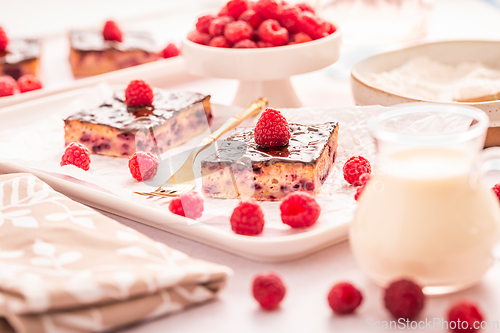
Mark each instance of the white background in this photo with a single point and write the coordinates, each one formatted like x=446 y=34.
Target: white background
x=308 y=280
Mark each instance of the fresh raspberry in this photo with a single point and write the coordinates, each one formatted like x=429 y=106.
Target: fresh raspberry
x=299 y=210
x=290 y=19
x=354 y=168
x=28 y=82
x=76 y=154
x=272 y=32
x=4 y=40
x=199 y=37
x=189 y=205
x=8 y=86
x=328 y=28
x=363 y=179
x=143 y=166
x=170 y=51
x=496 y=189
x=251 y=17
x=344 y=298
x=272 y=129
x=219 y=41
x=312 y=25
x=305 y=7
x=359 y=190
x=269 y=9
x=219 y=24
x=223 y=12
x=112 y=32
x=404 y=299
x=238 y=30
x=247 y=218
x=301 y=37
x=236 y=7
x=245 y=44
x=138 y=93
x=463 y=315
x=204 y=22
x=268 y=289
x=261 y=44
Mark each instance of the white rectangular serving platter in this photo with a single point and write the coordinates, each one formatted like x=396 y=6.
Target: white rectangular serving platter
x=273 y=246
x=174 y=68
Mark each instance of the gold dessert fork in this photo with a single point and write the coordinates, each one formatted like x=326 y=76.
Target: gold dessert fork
x=183 y=180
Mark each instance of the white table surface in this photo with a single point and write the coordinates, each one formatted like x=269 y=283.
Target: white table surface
x=308 y=280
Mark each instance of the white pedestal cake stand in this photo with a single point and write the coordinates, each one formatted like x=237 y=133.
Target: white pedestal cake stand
x=265 y=71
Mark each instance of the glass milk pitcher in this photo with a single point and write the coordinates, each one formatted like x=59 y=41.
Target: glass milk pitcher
x=426 y=214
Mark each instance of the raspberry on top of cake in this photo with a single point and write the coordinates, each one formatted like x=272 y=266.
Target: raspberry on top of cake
x=121 y=126
x=242 y=166
x=95 y=52
x=18 y=56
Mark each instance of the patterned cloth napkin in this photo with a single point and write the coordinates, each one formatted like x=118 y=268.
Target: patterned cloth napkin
x=66 y=268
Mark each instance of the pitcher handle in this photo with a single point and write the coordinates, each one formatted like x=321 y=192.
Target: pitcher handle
x=489 y=160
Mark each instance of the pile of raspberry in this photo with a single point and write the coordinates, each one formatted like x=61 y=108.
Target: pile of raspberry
x=258 y=24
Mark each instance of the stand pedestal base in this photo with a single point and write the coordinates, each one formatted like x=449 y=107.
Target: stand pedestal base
x=280 y=93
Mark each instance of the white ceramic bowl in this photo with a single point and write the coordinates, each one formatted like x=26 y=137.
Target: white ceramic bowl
x=265 y=71
x=449 y=52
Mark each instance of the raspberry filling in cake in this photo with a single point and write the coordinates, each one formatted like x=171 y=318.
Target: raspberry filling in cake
x=241 y=168
x=21 y=57
x=91 y=54
x=114 y=129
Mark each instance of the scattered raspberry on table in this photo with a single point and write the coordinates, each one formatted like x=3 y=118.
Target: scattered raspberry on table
x=76 y=154
x=189 y=205
x=354 y=168
x=272 y=129
x=138 y=93
x=299 y=210
x=4 y=40
x=8 y=86
x=344 y=298
x=112 y=32
x=170 y=51
x=268 y=289
x=143 y=166
x=464 y=315
x=496 y=190
x=247 y=218
x=363 y=179
x=404 y=299
x=28 y=82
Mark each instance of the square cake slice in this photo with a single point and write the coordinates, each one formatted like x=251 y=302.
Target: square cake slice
x=114 y=129
x=90 y=54
x=241 y=168
x=21 y=57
